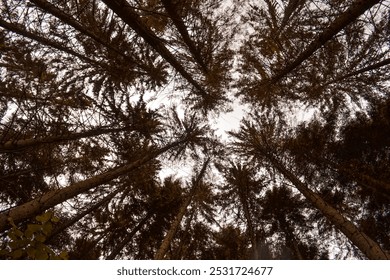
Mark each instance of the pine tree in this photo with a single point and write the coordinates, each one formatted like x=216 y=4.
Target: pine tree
x=100 y=100
x=257 y=144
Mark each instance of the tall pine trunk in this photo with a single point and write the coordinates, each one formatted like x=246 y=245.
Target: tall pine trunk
x=131 y=18
x=368 y=246
x=248 y=217
x=68 y=19
x=63 y=226
x=177 y=20
x=54 y=197
x=129 y=236
x=182 y=211
x=18 y=29
x=355 y=10
x=12 y=145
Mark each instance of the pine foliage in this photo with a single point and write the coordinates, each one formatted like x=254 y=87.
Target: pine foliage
x=110 y=146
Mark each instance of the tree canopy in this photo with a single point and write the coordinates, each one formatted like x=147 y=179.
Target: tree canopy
x=110 y=145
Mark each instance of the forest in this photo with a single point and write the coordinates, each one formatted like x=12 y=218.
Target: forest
x=112 y=144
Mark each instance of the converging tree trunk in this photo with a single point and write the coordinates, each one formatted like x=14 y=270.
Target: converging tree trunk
x=368 y=246
x=243 y=197
x=50 y=8
x=54 y=197
x=106 y=105
x=13 y=145
x=170 y=7
x=130 y=17
x=129 y=236
x=182 y=211
x=63 y=226
x=18 y=29
x=355 y=10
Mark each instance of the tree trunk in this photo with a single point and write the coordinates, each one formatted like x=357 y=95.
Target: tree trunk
x=129 y=236
x=48 y=7
x=360 y=71
x=12 y=145
x=291 y=241
x=368 y=246
x=360 y=178
x=180 y=252
x=182 y=211
x=178 y=22
x=44 y=41
x=61 y=227
x=355 y=10
x=245 y=206
x=131 y=18
x=54 y=197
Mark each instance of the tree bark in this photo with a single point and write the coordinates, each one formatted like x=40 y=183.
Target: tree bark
x=44 y=41
x=245 y=206
x=180 y=252
x=180 y=26
x=360 y=71
x=54 y=197
x=368 y=246
x=182 y=211
x=50 y=8
x=355 y=10
x=60 y=228
x=360 y=178
x=291 y=241
x=131 y=18
x=129 y=236
x=12 y=145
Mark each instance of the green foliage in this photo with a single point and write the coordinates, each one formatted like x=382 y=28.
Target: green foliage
x=30 y=243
